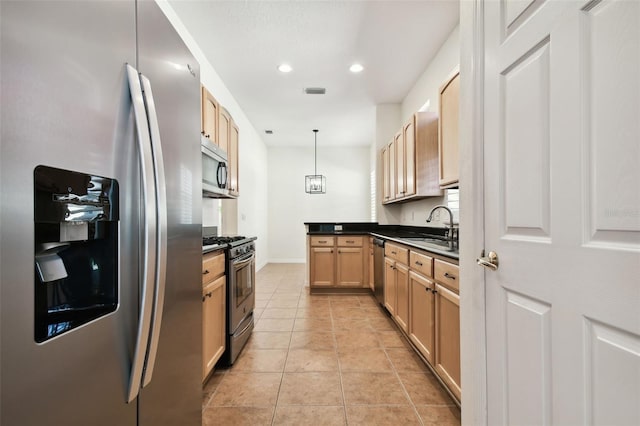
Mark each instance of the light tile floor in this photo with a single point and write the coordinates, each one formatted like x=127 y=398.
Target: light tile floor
x=323 y=360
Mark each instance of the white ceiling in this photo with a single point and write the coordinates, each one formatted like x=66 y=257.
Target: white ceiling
x=245 y=41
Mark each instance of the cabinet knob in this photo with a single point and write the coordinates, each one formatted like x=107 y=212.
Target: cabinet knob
x=448 y=275
x=202 y=133
x=418 y=263
x=427 y=289
x=205 y=272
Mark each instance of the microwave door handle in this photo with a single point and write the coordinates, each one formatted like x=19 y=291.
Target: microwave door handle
x=222 y=175
x=161 y=246
x=149 y=229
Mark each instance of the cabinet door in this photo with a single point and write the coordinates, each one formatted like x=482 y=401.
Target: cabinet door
x=392 y=171
x=390 y=285
x=322 y=266
x=234 y=135
x=409 y=173
x=385 y=175
x=402 y=296
x=350 y=262
x=448 y=139
x=448 y=338
x=224 y=129
x=209 y=121
x=371 y=272
x=422 y=315
x=213 y=324
x=399 y=172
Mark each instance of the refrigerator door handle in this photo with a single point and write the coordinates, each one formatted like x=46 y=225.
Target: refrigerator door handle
x=149 y=240
x=161 y=247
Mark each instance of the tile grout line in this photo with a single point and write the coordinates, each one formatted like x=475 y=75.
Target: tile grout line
x=284 y=366
x=335 y=341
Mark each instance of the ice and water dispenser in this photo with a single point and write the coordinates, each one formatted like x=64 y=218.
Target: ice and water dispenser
x=76 y=249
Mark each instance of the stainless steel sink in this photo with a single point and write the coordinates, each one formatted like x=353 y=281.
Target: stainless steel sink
x=429 y=242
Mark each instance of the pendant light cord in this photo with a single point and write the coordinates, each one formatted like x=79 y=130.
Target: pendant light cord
x=315 y=152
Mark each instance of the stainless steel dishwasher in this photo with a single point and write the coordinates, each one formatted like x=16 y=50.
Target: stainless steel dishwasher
x=378 y=269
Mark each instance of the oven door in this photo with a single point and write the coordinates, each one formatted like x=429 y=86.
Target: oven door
x=242 y=289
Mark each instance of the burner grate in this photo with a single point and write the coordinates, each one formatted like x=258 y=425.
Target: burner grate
x=208 y=241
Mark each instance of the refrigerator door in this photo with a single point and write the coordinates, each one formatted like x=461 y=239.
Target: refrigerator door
x=174 y=394
x=66 y=104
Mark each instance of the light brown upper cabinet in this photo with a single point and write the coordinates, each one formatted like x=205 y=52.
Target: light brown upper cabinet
x=234 y=135
x=218 y=127
x=400 y=186
x=224 y=129
x=413 y=172
x=448 y=140
x=209 y=117
x=409 y=156
x=386 y=175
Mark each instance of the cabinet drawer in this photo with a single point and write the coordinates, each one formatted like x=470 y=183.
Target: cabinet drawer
x=421 y=263
x=447 y=274
x=397 y=253
x=212 y=266
x=322 y=241
x=350 y=241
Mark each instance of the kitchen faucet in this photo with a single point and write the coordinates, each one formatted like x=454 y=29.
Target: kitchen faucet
x=451 y=232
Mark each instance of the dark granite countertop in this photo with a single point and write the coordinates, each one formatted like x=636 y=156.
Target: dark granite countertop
x=421 y=237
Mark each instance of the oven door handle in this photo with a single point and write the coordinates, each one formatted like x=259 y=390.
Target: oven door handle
x=244 y=330
x=243 y=261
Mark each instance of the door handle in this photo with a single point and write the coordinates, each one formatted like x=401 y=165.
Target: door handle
x=490 y=261
x=150 y=233
x=162 y=229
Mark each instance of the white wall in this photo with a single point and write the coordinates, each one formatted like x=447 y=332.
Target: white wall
x=289 y=206
x=252 y=203
x=425 y=89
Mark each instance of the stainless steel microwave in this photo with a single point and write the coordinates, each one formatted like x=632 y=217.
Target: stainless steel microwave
x=214 y=170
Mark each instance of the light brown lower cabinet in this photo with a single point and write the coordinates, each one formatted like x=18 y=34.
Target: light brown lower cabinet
x=213 y=318
x=390 y=285
x=447 y=362
x=321 y=267
x=422 y=321
x=423 y=300
x=350 y=269
x=213 y=310
x=371 y=272
x=338 y=262
x=402 y=296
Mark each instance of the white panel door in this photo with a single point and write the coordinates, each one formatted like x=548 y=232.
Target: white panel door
x=562 y=210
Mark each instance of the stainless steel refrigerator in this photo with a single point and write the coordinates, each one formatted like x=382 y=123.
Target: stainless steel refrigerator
x=100 y=216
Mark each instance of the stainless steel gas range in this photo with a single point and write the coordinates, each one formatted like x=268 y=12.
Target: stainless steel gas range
x=241 y=277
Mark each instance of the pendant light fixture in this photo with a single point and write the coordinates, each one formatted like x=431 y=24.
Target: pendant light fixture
x=315 y=183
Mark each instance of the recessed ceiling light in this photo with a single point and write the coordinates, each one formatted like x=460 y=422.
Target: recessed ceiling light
x=285 y=68
x=355 y=68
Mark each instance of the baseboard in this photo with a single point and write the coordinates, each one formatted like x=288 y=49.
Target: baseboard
x=287 y=261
